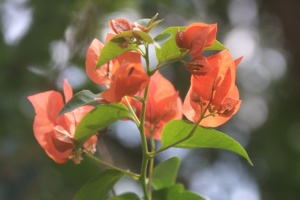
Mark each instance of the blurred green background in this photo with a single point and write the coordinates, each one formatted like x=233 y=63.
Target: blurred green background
x=43 y=42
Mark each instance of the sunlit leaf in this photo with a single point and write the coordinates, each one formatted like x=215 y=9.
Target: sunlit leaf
x=175 y=192
x=216 y=46
x=121 y=43
x=165 y=173
x=125 y=196
x=144 y=36
x=98 y=119
x=170 y=49
x=161 y=39
x=114 y=48
x=202 y=138
x=82 y=98
x=99 y=186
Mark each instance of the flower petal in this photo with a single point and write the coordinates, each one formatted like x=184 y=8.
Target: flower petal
x=68 y=92
x=100 y=75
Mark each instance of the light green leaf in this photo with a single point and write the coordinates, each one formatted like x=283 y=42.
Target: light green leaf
x=216 y=46
x=82 y=98
x=202 y=138
x=175 y=192
x=98 y=119
x=99 y=186
x=161 y=39
x=126 y=196
x=165 y=173
x=121 y=43
x=114 y=48
x=170 y=49
x=143 y=36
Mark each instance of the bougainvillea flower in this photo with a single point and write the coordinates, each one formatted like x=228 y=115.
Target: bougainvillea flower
x=196 y=36
x=129 y=78
x=124 y=74
x=55 y=133
x=102 y=74
x=163 y=105
x=120 y=25
x=214 y=97
x=198 y=66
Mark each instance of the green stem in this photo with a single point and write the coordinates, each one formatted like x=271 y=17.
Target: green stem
x=126 y=172
x=145 y=161
x=141 y=127
x=135 y=118
x=151 y=163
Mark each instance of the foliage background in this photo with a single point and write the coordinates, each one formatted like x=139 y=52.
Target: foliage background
x=43 y=42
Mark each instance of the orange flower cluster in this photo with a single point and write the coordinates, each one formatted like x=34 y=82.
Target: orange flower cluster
x=212 y=98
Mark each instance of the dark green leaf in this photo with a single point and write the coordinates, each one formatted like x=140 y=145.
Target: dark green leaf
x=97 y=119
x=82 y=98
x=170 y=49
x=126 y=196
x=160 y=39
x=165 y=173
x=202 y=138
x=216 y=46
x=99 y=186
x=175 y=192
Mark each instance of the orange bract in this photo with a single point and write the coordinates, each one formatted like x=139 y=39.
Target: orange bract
x=129 y=78
x=214 y=96
x=196 y=36
x=120 y=25
x=124 y=74
x=55 y=133
x=163 y=105
x=102 y=74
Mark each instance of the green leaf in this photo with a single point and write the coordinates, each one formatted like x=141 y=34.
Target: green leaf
x=97 y=119
x=216 y=46
x=161 y=39
x=82 y=98
x=126 y=196
x=121 y=43
x=99 y=186
x=202 y=138
x=114 y=48
x=165 y=173
x=170 y=49
x=143 y=35
x=175 y=192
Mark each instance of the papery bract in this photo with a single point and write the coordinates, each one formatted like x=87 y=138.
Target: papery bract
x=129 y=78
x=120 y=25
x=196 y=36
x=102 y=74
x=198 y=66
x=125 y=73
x=214 y=96
x=55 y=133
x=163 y=105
